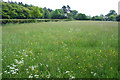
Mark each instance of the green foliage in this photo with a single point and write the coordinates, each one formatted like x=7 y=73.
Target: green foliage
x=112 y=12
x=26 y=12
x=111 y=16
x=14 y=15
x=57 y=14
x=97 y=18
x=76 y=49
x=20 y=21
x=35 y=13
x=80 y=16
x=20 y=11
x=118 y=18
x=42 y=12
x=14 y=10
x=47 y=14
x=74 y=12
x=69 y=16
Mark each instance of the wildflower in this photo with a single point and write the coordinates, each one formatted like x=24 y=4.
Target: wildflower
x=32 y=67
x=46 y=65
x=72 y=76
x=111 y=68
x=26 y=69
x=16 y=69
x=30 y=52
x=91 y=72
x=5 y=71
x=22 y=58
x=41 y=64
x=0 y=74
x=77 y=56
x=94 y=74
x=8 y=72
x=58 y=69
x=12 y=68
x=36 y=75
x=14 y=65
x=48 y=76
x=36 y=71
x=30 y=76
x=67 y=71
x=14 y=73
x=36 y=66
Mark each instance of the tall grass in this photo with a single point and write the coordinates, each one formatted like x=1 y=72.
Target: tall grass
x=75 y=49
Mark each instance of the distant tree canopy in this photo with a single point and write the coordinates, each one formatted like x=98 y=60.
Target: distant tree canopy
x=81 y=16
x=14 y=10
x=98 y=18
x=18 y=10
x=118 y=18
x=111 y=16
x=58 y=14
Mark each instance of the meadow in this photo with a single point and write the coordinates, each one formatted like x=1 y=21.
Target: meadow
x=74 y=49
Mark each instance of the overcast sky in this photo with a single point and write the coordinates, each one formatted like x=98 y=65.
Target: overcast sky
x=89 y=7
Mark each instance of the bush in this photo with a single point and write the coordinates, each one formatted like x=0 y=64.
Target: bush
x=20 y=21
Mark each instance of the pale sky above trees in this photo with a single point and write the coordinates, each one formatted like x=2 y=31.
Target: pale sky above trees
x=89 y=7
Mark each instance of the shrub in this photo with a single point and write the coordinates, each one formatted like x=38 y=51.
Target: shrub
x=20 y=21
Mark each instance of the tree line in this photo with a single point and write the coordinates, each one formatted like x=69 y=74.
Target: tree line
x=18 y=10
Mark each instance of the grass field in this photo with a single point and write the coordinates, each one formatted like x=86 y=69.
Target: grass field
x=74 y=49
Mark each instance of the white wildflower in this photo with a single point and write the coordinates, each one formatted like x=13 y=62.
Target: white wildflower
x=0 y=74
x=30 y=76
x=23 y=50
x=91 y=72
x=14 y=73
x=32 y=67
x=5 y=71
x=36 y=76
x=41 y=64
x=12 y=68
x=48 y=76
x=58 y=69
x=67 y=71
x=14 y=65
x=94 y=74
x=22 y=58
x=8 y=72
x=16 y=69
x=35 y=66
x=73 y=77
x=26 y=69
x=46 y=65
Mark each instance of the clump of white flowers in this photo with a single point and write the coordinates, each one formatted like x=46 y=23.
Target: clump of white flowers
x=94 y=74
